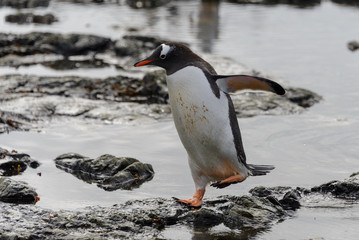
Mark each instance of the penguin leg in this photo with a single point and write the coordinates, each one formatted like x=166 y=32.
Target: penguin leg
x=196 y=200
x=200 y=182
x=228 y=181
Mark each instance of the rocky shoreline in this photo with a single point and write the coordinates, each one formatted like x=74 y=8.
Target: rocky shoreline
x=32 y=102
x=29 y=102
x=250 y=214
x=14 y=163
x=139 y=4
x=149 y=218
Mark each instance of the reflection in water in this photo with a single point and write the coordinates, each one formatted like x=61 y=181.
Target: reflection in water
x=297 y=3
x=153 y=17
x=208 y=24
x=225 y=233
x=308 y=149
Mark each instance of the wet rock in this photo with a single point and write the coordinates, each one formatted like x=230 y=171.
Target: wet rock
x=302 y=97
x=154 y=86
x=109 y=172
x=144 y=219
x=299 y=3
x=35 y=100
x=13 y=163
x=347 y=2
x=54 y=61
x=149 y=218
x=68 y=64
x=12 y=191
x=136 y=46
x=87 y=111
x=10 y=121
x=12 y=167
x=24 y=3
x=248 y=104
x=261 y=191
x=64 y=44
x=289 y=198
x=26 y=18
x=53 y=48
x=119 y=88
x=146 y=3
x=347 y=189
x=91 y=1
x=30 y=101
x=353 y=45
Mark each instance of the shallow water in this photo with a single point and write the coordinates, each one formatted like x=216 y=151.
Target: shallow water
x=299 y=47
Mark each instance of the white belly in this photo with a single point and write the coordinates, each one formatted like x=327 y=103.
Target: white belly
x=202 y=122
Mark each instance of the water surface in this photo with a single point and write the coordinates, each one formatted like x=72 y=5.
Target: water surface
x=298 y=47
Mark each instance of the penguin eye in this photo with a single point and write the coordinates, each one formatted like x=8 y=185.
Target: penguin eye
x=162 y=56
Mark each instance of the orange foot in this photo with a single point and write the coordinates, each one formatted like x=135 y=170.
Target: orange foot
x=195 y=201
x=228 y=181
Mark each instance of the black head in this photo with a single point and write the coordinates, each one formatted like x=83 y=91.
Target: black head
x=173 y=56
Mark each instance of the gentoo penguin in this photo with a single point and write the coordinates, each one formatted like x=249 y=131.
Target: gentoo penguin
x=205 y=118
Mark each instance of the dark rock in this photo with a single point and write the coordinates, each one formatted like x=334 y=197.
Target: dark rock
x=146 y=3
x=24 y=3
x=290 y=198
x=146 y=219
x=53 y=48
x=205 y=218
x=261 y=191
x=119 y=88
x=64 y=44
x=249 y=104
x=347 y=2
x=10 y=168
x=14 y=163
x=67 y=64
x=91 y=1
x=299 y=3
x=252 y=213
x=154 y=86
x=136 y=46
x=29 y=101
x=141 y=219
x=10 y=121
x=347 y=189
x=12 y=191
x=109 y=172
x=41 y=99
x=290 y=201
x=353 y=45
x=26 y=18
x=302 y=97
x=34 y=100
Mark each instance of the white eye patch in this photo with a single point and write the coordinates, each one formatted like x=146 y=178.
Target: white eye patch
x=165 y=50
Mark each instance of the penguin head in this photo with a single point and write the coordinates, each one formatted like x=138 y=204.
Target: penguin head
x=170 y=56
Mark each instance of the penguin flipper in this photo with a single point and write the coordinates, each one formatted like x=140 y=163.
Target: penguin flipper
x=233 y=83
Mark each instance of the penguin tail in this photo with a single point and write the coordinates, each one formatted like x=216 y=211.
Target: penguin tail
x=259 y=170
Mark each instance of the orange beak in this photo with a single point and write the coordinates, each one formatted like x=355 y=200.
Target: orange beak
x=142 y=63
